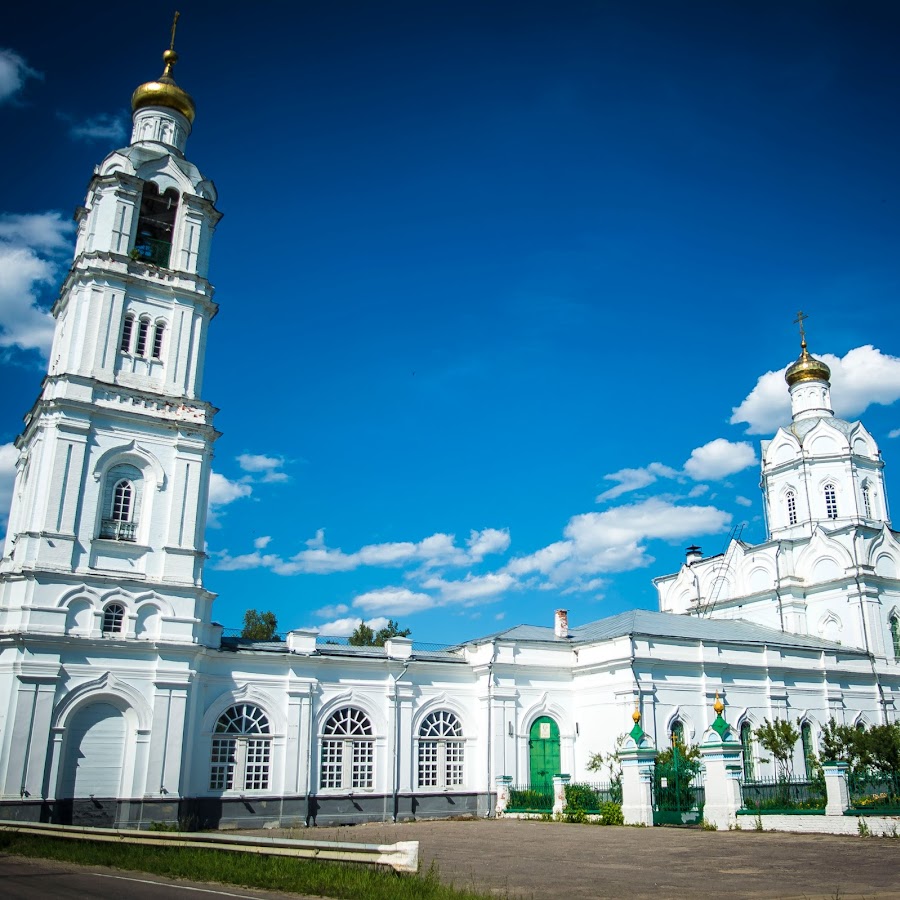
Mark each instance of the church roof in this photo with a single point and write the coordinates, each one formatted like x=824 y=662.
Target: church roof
x=646 y=623
x=802 y=427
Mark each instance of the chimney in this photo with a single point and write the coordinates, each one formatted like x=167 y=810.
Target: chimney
x=561 y=623
x=692 y=554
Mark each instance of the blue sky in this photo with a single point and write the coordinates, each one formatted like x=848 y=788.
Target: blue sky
x=497 y=281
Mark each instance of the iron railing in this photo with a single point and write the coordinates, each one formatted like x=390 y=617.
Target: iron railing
x=874 y=791
x=114 y=530
x=779 y=795
x=530 y=798
x=590 y=796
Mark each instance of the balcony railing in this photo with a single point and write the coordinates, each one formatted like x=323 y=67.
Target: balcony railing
x=114 y=530
x=153 y=251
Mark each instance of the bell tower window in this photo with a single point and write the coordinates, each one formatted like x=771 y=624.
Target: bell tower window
x=143 y=331
x=790 y=500
x=113 y=619
x=120 y=512
x=158 y=332
x=867 y=500
x=127 y=331
x=156 y=224
x=831 y=509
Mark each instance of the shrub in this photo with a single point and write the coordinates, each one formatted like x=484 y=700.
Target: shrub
x=612 y=813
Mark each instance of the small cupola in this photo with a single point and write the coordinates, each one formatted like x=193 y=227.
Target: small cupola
x=164 y=91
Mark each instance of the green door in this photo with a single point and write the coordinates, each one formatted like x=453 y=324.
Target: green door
x=543 y=743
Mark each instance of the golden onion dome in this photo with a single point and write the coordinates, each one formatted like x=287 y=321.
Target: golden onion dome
x=806 y=368
x=164 y=91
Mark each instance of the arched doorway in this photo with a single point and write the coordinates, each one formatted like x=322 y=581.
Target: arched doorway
x=94 y=758
x=543 y=748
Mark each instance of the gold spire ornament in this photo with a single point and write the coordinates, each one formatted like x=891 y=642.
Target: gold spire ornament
x=718 y=706
x=636 y=716
x=164 y=91
x=806 y=367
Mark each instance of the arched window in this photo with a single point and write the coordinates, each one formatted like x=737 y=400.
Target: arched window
x=440 y=751
x=113 y=619
x=809 y=754
x=143 y=331
x=241 y=750
x=121 y=504
x=867 y=500
x=676 y=733
x=790 y=500
x=348 y=751
x=747 y=747
x=894 y=625
x=158 y=333
x=127 y=330
x=156 y=224
x=831 y=501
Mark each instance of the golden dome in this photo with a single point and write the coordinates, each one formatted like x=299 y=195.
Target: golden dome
x=164 y=91
x=806 y=368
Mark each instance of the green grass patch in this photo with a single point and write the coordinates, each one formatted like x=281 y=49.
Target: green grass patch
x=278 y=873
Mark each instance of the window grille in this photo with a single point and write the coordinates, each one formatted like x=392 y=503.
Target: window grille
x=441 y=751
x=113 y=619
x=158 y=333
x=791 y=501
x=348 y=751
x=127 y=330
x=143 y=331
x=831 y=501
x=241 y=761
x=895 y=635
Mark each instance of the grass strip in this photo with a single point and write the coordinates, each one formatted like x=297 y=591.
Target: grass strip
x=250 y=870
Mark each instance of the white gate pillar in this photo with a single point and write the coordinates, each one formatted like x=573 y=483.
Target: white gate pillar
x=722 y=758
x=638 y=755
x=836 y=788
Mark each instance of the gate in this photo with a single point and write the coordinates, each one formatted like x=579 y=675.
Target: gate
x=678 y=793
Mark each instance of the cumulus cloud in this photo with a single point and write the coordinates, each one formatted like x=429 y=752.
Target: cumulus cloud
x=267 y=468
x=14 y=72
x=31 y=249
x=743 y=501
x=438 y=550
x=393 y=601
x=262 y=542
x=471 y=589
x=346 y=627
x=223 y=491
x=862 y=377
x=8 y=457
x=102 y=127
x=332 y=611
x=719 y=459
x=246 y=561
x=615 y=540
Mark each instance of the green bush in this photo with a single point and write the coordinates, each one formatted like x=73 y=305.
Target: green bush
x=612 y=813
x=581 y=796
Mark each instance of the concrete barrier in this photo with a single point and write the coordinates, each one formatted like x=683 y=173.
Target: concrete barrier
x=401 y=857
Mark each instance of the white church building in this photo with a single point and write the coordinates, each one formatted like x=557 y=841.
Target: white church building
x=120 y=701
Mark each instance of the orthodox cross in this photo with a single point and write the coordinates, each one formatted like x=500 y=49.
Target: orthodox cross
x=799 y=321
x=174 y=26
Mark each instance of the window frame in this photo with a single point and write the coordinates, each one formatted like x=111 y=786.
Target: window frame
x=894 y=629
x=241 y=751
x=749 y=763
x=831 y=506
x=156 y=345
x=347 y=751
x=441 y=752
x=113 y=622
x=127 y=335
x=790 y=502
x=140 y=346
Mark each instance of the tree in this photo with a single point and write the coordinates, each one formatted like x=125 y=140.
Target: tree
x=260 y=626
x=779 y=737
x=873 y=748
x=613 y=762
x=366 y=637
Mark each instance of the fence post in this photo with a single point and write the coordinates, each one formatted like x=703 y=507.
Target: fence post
x=638 y=755
x=503 y=784
x=837 y=791
x=559 y=793
x=722 y=757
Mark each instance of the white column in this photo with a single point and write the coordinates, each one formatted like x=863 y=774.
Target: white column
x=504 y=782
x=559 y=793
x=837 y=791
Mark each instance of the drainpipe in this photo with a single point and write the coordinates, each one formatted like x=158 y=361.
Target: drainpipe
x=396 y=790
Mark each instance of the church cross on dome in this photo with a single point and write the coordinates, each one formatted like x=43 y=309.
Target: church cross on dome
x=801 y=316
x=174 y=26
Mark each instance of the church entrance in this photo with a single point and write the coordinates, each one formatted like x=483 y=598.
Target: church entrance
x=92 y=773
x=543 y=748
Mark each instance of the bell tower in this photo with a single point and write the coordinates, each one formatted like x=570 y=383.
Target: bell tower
x=108 y=515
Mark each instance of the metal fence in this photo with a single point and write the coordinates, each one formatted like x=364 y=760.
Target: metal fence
x=783 y=795
x=874 y=791
x=679 y=795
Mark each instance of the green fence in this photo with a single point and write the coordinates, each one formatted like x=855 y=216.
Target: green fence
x=874 y=791
x=678 y=795
x=590 y=796
x=782 y=795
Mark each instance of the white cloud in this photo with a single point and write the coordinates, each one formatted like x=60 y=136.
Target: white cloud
x=743 y=501
x=223 y=491
x=862 y=377
x=718 y=459
x=698 y=490
x=226 y=563
x=28 y=244
x=393 y=601
x=8 y=457
x=332 y=610
x=268 y=467
x=491 y=540
x=262 y=542
x=634 y=479
x=102 y=127
x=14 y=72
x=615 y=540
x=472 y=588
x=346 y=627
x=895 y=433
